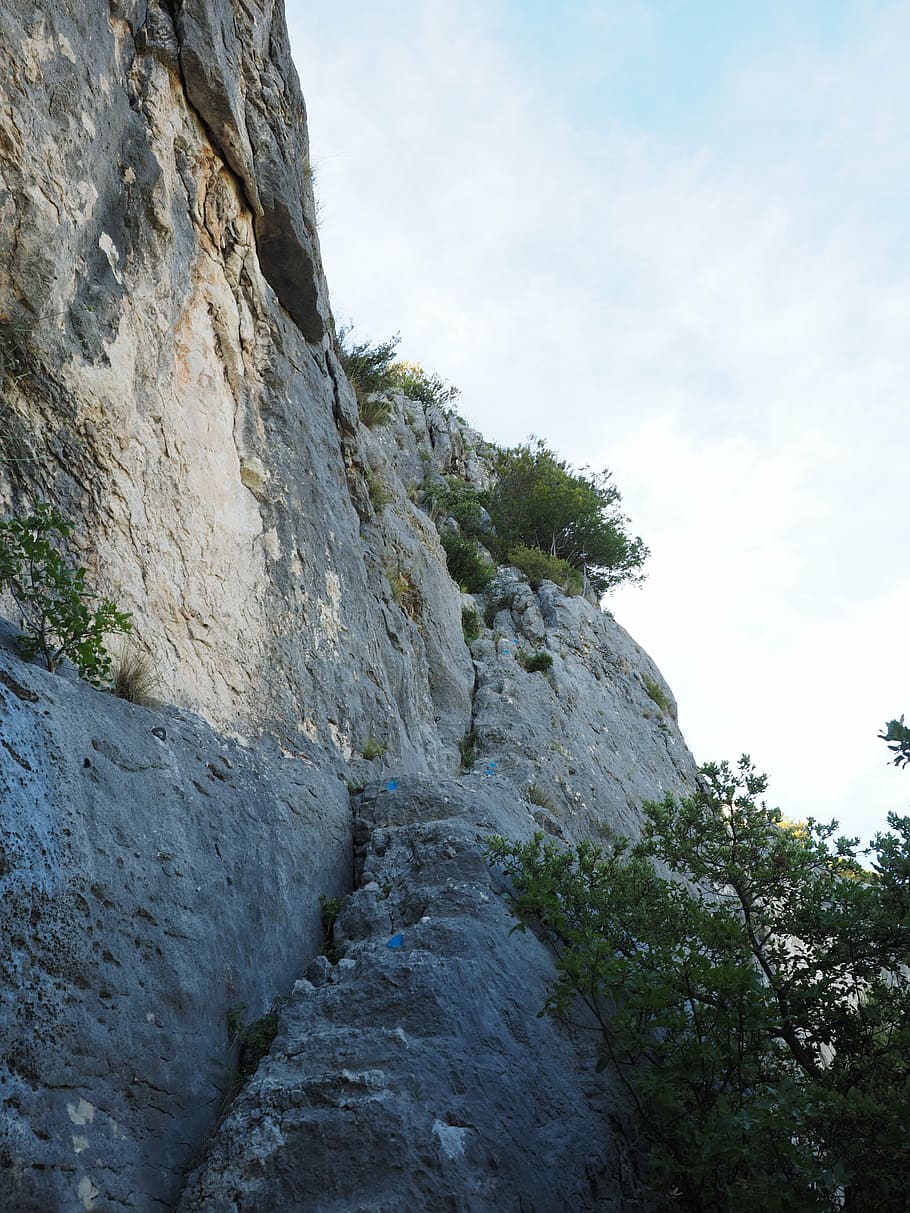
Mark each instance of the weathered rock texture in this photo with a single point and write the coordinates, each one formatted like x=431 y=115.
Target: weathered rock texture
x=414 y=1077
x=175 y=386
x=154 y=876
x=169 y=377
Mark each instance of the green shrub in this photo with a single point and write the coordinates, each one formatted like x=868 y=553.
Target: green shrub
x=540 y=662
x=372 y=748
x=370 y=371
x=455 y=498
x=136 y=676
x=377 y=490
x=754 y=1005
x=539 y=501
x=657 y=693
x=255 y=1041
x=416 y=384
x=466 y=565
x=539 y=566
x=471 y=624
x=467 y=747
x=53 y=601
x=897 y=735
x=330 y=908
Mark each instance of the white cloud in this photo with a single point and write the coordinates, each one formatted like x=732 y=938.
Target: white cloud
x=723 y=323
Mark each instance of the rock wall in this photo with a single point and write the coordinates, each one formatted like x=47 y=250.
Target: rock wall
x=172 y=378
x=169 y=377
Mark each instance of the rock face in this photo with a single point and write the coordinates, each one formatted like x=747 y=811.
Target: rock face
x=414 y=1077
x=169 y=377
x=154 y=878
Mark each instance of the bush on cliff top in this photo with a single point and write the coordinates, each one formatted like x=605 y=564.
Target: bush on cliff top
x=369 y=369
x=540 y=501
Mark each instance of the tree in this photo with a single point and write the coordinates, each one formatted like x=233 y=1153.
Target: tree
x=755 y=1003
x=54 y=602
x=897 y=735
x=539 y=501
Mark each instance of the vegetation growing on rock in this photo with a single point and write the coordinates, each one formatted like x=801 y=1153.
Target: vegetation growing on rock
x=54 y=601
x=756 y=1006
x=540 y=501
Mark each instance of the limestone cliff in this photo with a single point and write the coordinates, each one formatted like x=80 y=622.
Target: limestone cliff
x=170 y=379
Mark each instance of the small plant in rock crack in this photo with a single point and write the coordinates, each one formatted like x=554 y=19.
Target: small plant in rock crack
x=405 y=592
x=657 y=694
x=369 y=369
x=330 y=908
x=254 y=1041
x=467 y=747
x=372 y=748
x=377 y=491
x=53 y=600
x=540 y=662
x=471 y=624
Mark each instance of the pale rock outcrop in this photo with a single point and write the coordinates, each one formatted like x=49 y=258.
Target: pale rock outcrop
x=175 y=388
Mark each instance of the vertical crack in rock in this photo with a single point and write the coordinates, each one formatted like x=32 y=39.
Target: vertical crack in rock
x=214 y=58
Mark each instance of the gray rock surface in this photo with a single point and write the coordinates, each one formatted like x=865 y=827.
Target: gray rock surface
x=170 y=396
x=585 y=741
x=169 y=378
x=154 y=876
x=419 y=1076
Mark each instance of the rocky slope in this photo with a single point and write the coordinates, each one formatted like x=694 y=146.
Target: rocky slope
x=170 y=379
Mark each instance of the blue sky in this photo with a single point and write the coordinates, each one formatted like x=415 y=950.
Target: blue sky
x=671 y=238
x=666 y=66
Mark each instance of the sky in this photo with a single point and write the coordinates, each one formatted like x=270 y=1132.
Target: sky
x=671 y=238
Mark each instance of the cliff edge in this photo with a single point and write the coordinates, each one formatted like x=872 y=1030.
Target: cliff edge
x=171 y=380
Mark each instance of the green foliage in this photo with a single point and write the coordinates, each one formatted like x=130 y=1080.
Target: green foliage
x=372 y=748
x=330 y=908
x=756 y=1007
x=377 y=490
x=539 y=501
x=52 y=597
x=540 y=566
x=252 y=1040
x=454 y=498
x=136 y=676
x=417 y=384
x=465 y=563
x=370 y=371
x=255 y=1041
x=467 y=747
x=540 y=662
x=657 y=693
x=471 y=624
x=897 y=735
